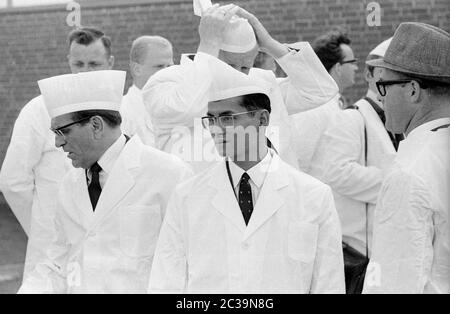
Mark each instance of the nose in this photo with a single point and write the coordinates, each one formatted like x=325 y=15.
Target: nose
x=59 y=140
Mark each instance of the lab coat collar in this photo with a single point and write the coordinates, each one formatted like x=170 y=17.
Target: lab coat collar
x=109 y=157
x=423 y=129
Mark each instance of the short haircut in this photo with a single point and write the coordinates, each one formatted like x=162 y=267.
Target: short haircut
x=327 y=47
x=112 y=118
x=256 y=102
x=87 y=35
x=141 y=45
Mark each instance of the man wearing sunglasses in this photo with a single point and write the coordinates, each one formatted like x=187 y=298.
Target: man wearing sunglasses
x=411 y=246
x=251 y=223
x=111 y=206
x=33 y=166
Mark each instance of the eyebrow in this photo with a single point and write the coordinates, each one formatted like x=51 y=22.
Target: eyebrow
x=221 y=114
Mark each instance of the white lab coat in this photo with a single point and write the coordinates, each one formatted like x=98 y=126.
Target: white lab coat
x=340 y=163
x=31 y=173
x=135 y=118
x=175 y=97
x=292 y=243
x=109 y=250
x=411 y=248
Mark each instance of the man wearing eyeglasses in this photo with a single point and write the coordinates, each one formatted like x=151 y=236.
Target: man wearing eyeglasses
x=110 y=208
x=411 y=246
x=251 y=223
x=33 y=166
x=336 y=55
x=177 y=97
x=356 y=151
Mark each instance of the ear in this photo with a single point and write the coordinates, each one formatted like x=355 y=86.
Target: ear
x=367 y=76
x=98 y=125
x=335 y=71
x=135 y=69
x=415 y=92
x=264 y=118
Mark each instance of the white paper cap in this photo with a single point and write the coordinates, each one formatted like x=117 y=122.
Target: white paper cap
x=97 y=90
x=380 y=50
x=239 y=35
x=228 y=83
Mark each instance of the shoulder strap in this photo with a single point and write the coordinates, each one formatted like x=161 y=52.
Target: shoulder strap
x=365 y=163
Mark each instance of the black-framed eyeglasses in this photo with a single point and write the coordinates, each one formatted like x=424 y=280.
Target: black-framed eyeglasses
x=381 y=85
x=59 y=130
x=225 y=121
x=352 y=61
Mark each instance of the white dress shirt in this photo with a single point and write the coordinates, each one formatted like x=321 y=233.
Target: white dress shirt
x=257 y=175
x=411 y=248
x=108 y=159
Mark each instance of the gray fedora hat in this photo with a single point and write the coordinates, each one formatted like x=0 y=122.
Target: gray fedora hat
x=419 y=50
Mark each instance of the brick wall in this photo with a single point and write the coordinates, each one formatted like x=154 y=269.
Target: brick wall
x=33 y=40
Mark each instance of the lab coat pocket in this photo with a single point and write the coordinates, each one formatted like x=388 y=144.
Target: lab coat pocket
x=302 y=241
x=139 y=229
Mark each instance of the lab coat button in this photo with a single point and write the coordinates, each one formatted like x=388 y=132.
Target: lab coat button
x=245 y=246
x=92 y=234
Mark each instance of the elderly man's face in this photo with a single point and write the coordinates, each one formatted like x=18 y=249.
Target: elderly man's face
x=77 y=140
x=242 y=62
x=92 y=57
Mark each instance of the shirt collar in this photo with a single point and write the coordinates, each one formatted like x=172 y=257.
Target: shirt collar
x=427 y=127
x=109 y=157
x=257 y=173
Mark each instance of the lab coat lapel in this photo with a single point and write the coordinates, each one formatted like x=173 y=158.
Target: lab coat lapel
x=224 y=200
x=120 y=180
x=375 y=128
x=81 y=198
x=270 y=198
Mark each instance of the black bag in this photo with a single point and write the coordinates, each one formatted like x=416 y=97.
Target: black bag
x=355 y=265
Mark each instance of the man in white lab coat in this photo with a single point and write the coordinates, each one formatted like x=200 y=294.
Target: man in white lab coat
x=177 y=97
x=336 y=54
x=411 y=246
x=110 y=208
x=356 y=149
x=251 y=223
x=33 y=166
x=148 y=55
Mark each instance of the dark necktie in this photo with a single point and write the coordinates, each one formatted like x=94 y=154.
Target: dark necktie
x=245 y=197
x=94 y=187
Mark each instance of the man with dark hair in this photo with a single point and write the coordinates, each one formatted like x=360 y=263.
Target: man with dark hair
x=110 y=208
x=355 y=153
x=411 y=246
x=251 y=223
x=336 y=55
x=90 y=50
x=33 y=166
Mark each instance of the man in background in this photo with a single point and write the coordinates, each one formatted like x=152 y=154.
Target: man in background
x=148 y=55
x=33 y=167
